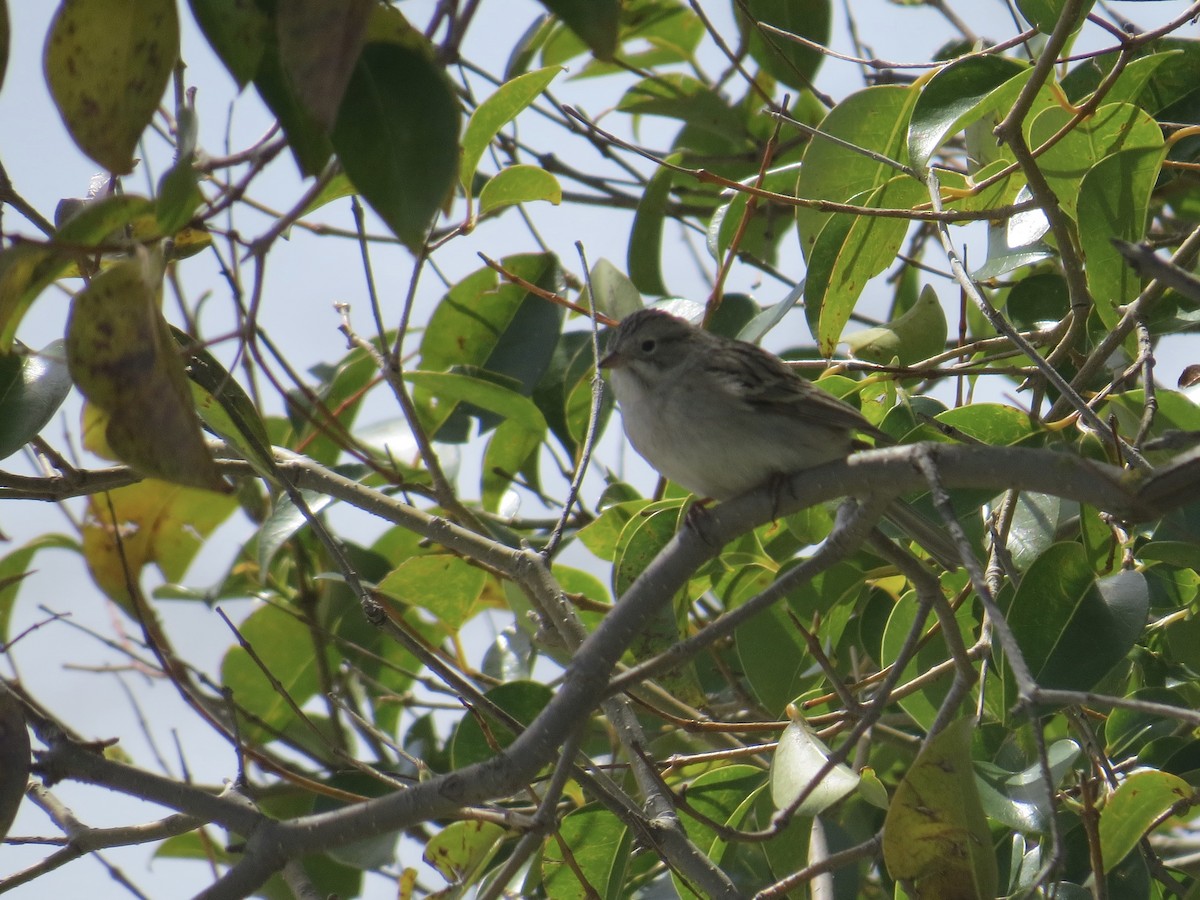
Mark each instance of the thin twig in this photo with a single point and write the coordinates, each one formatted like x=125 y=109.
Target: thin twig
x=705 y=176
x=589 y=438
x=1002 y=325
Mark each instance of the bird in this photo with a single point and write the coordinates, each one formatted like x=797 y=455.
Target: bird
x=721 y=416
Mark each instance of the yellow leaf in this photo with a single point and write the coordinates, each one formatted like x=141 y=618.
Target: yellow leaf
x=107 y=65
x=122 y=357
x=935 y=836
x=148 y=522
x=23 y=270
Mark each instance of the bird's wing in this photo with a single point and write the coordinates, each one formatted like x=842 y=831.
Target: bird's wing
x=763 y=383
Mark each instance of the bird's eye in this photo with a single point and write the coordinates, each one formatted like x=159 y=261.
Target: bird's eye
x=648 y=345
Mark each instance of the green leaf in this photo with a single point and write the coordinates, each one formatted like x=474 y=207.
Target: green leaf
x=1175 y=553
x=721 y=795
x=225 y=407
x=97 y=220
x=510 y=656
x=600 y=853
x=1071 y=627
x=512 y=448
x=32 y=387
x=1114 y=201
x=319 y=45
x=798 y=759
x=320 y=432
x=1083 y=80
x=644 y=256
x=679 y=96
x=28 y=269
x=850 y=252
x=1036 y=524
x=1175 y=83
x=1139 y=801
x=284 y=647
x=307 y=139
x=577 y=581
x=15 y=759
x=487 y=395
x=336 y=188
x=1015 y=242
x=397 y=137
x=876 y=119
x=564 y=393
x=519 y=184
x=956 y=96
x=1044 y=14
x=502 y=330
x=1018 y=799
x=25 y=271
x=1129 y=729
x=504 y=105
x=522 y=700
x=916 y=335
x=745 y=572
x=178 y=197
x=655 y=35
x=989 y=423
x=237 y=30
x=1183 y=636
x=1038 y=300
x=960 y=192
x=14 y=566
x=1175 y=411
x=615 y=294
x=5 y=39
x=468 y=321
x=764 y=231
x=788 y=62
x=833 y=596
x=935 y=835
x=642 y=539
x=923 y=705
x=494 y=326
x=560 y=44
x=284 y=521
x=528 y=44
x=107 y=65
x=1113 y=127
x=735 y=315
x=578 y=411
x=441 y=584
x=595 y=22
x=871 y=789
x=775 y=660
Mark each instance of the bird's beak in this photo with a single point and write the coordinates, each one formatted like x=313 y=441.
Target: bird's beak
x=610 y=360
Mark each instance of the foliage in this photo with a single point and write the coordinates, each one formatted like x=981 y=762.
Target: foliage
x=1025 y=723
